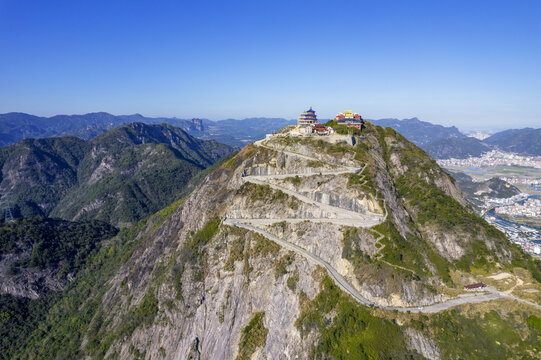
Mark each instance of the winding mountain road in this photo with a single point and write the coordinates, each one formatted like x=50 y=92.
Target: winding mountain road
x=341 y=216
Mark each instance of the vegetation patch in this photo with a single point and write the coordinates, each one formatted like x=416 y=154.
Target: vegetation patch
x=166 y=212
x=53 y=242
x=295 y=180
x=348 y=330
x=58 y=322
x=492 y=335
x=264 y=247
x=235 y=253
x=140 y=315
x=281 y=264
x=266 y=194
x=400 y=251
x=193 y=252
x=253 y=336
x=343 y=129
x=534 y=322
x=292 y=280
x=351 y=250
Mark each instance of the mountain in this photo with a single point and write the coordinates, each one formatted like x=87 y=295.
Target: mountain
x=458 y=148
x=478 y=192
x=38 y=255
x=523 y=141
x=421 y=133
x=118 y=177
x=38 y=172
x=38 y=258
x=448 y=142
x=300 y=248
x=18 y=126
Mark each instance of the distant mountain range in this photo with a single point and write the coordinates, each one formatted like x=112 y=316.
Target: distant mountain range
x=522 y=141
x=458 y=148
x=421 y=133
x=119 y=177
x=18 y=126
x=439 y=141
x=448 y=142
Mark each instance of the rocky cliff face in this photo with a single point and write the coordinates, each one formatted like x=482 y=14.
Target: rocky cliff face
x=275 y=253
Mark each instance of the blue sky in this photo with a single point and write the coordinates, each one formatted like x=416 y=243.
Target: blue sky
x=465 y=63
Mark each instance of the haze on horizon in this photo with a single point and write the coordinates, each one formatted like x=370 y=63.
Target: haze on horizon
x=462 y=63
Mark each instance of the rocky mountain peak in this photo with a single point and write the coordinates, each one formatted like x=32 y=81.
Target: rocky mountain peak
x=300 y=246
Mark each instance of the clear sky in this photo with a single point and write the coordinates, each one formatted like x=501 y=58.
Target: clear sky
x=470 y=63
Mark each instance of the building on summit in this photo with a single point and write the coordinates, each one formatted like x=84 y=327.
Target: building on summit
x=307 y=118
x=321 y=129
x=308 y=126
x=349 y=118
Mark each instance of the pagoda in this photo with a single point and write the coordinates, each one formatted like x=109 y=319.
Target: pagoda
x=307 y=118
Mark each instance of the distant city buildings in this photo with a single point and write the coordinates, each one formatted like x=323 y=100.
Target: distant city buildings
x=493 y=158
x=530 y=207
x=528 y=238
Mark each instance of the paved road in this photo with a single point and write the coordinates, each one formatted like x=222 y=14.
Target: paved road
x=261 y=143
x=367 y=219
x=351 y=218
x=339 y=279
x=476 y=297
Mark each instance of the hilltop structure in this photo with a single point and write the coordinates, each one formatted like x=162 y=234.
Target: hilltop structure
x=307 y=118
x=307 y=125
x=351 y=119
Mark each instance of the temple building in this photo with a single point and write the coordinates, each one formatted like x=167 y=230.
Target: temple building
x=307 y=118
x=349 y=118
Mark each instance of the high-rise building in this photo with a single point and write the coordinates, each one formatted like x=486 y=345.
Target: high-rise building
x=307 y=118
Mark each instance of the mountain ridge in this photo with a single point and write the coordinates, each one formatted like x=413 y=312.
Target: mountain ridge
x=420 y=132
x=119 y=177
x=16 y=126
x=439 y=140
